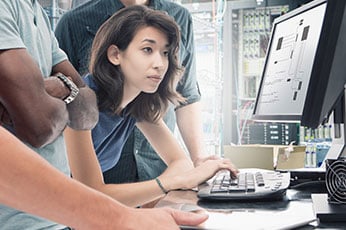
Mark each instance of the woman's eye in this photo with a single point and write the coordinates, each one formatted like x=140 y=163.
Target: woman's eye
x=147 y=49
x=166 y=53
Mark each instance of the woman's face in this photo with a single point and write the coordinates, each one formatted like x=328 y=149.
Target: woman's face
x=145 y=61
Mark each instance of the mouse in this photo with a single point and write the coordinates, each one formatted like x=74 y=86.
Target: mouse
x=187 y=207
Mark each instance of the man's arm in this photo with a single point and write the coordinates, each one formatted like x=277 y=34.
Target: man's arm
x=23 y=97
x=188 y=117
x=189 y=122
x=36 y=117
x=83 y=112
x=31 y=184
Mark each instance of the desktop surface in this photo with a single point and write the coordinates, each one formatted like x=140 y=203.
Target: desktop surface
x=295 y=210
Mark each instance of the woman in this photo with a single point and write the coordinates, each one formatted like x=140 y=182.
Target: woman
x=134 y=71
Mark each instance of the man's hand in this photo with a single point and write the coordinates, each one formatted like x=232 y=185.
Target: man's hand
x=56 y=88
x=162 y=218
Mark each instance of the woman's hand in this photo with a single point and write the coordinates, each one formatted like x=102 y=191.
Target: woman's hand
x=193 y=177
x=200 y=161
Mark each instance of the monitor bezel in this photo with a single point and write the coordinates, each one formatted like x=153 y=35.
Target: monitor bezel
x=287 y=117
x=324 y=93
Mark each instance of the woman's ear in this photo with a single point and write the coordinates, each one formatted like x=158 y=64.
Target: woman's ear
x=113 y=54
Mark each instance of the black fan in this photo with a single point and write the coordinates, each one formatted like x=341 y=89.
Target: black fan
x=336 y=180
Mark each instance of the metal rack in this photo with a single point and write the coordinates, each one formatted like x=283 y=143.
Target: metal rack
x=55 y=9
x=208 y=22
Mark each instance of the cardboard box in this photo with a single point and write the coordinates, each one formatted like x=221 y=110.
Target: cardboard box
x=265 y=156
x=250 y=156
x=294 y=159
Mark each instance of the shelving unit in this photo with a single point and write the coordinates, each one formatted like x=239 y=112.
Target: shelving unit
x=55 y=8
x=247 y=30
x=208 y=28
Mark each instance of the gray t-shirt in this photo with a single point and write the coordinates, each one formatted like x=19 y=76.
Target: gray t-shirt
x=24 y=24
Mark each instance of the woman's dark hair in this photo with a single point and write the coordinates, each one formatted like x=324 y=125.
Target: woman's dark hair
x=119 y=30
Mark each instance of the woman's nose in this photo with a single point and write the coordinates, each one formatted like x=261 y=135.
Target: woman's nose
x=159 y=61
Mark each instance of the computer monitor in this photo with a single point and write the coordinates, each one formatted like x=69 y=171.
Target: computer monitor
x=305 y=67
x=304 y=76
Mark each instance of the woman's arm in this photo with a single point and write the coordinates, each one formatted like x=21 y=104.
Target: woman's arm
x=85 y=168
x=180 y=173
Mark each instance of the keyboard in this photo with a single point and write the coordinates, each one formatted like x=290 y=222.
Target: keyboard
x=250 y=184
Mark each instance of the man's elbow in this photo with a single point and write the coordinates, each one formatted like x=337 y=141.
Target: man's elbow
x=43 y=131
x=39 y=138
x=39 y=141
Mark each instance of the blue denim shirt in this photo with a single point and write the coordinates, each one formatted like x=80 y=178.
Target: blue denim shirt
x=75 y=32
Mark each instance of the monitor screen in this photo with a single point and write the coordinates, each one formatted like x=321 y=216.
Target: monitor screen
x=304 y=71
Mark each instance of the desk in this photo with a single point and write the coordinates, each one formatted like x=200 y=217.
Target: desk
x=230 y=215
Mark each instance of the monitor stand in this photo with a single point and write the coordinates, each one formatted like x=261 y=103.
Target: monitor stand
x=324 y=210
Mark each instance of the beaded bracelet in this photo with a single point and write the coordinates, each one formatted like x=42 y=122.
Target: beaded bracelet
x=160 y=185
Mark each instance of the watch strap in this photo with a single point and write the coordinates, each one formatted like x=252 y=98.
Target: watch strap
x=71 y=86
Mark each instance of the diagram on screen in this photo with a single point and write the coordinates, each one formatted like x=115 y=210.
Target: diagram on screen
x=292 y=47
x=289 y=62
x=290 y=57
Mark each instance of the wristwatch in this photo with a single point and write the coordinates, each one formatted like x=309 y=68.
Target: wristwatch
x=71 y=86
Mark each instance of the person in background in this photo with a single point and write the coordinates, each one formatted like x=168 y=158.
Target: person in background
x=31 y=184
x=139 y=162
x=76 y=3
x=134 y=69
